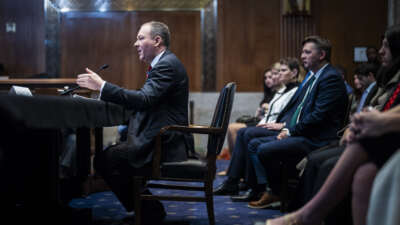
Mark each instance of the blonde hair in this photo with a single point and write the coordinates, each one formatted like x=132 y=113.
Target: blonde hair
x=276 y=66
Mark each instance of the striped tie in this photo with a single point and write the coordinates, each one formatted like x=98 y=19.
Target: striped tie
x=296 y=114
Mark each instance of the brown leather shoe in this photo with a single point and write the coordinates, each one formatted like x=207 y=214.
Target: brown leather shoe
x=266 y=200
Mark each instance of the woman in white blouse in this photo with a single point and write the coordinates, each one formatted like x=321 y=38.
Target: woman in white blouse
x=287 y=83
x=287 y=77
x=269 y=91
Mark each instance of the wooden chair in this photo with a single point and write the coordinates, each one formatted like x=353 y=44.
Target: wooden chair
x=192 y=170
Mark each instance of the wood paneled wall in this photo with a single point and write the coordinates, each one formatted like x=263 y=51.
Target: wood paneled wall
x=91 y=39
x=248 y=41
x=294 y=28
x=248 y=38
x=22 y=53
x=350 y=23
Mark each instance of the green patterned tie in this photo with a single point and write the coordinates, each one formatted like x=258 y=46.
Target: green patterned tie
x=296 y=114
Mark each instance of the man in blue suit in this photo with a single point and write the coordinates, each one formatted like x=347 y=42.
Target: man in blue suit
x=319 y=106
x=312 y=118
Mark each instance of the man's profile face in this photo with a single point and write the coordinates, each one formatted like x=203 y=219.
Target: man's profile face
x=364 y=81
x=372 y=55
x=310 y=56
x=145 y=44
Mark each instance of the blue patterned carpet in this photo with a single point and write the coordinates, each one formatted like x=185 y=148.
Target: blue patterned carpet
x=107 y=210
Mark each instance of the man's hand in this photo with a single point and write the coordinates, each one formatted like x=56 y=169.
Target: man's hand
x=282 y=135
x=370 y=124
x=272 y=126
x=90 y=80
x=366 y=123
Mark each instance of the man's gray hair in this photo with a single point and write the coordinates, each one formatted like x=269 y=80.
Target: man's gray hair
x=160 y=29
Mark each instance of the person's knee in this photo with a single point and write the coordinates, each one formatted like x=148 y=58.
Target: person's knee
x=234 y=127
x=241 y=131
x=252 y=146
x=231 y=129
x=267 y=150
x=363 y=178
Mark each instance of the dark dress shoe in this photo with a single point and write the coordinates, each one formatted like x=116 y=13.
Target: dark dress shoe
x=154 y=219
x=248 y=196
x=153 y=212
x=226 y=189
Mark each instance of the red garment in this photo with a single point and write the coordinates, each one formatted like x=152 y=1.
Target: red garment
x=148 y=71
x=392 y=98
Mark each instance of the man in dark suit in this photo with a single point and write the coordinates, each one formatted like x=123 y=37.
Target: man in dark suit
x=312 y=118
x=163 y=100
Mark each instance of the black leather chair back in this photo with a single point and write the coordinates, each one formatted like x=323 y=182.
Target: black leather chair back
x=221 y=118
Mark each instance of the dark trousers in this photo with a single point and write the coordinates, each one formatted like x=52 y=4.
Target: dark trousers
x=113 y=165
x=319 y=165
x=272 y=152
x=240 y=163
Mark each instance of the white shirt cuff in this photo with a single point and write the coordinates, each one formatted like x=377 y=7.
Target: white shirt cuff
x=101 y=88
x=287 y=131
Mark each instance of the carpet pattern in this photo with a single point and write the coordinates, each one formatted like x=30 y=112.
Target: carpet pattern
x=107 y=210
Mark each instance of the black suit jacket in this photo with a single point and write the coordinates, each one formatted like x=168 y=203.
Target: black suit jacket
x=323 y=111
x=162 y=101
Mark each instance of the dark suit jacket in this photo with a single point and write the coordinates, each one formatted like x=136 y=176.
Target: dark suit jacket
x=163 y=100
x=323 y=111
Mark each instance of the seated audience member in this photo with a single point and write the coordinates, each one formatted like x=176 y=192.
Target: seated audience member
x=385 y=197
x=320 y=163
x=233 y=128
x=373 y=56
x=269 y=93
x=365 y=84
x=363 y=154
x=261 y=110
x=313 y=118
x=288 y=77
x=343 y=73
x=357 y=92
x=366 y=76
x=362 y=85
x=285 y=86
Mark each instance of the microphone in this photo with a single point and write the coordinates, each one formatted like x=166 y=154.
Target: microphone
x=103 y=67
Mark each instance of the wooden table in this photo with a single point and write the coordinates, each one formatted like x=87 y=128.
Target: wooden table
x=38 y=83
x=50 y=86
x=30 y=142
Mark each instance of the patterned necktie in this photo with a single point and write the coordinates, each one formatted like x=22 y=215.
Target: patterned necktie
x=392 y=98
x=296 y=114
x=148 y=71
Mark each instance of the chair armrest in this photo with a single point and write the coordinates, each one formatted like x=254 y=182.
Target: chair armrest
x=199 y=129
x=188 y=129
